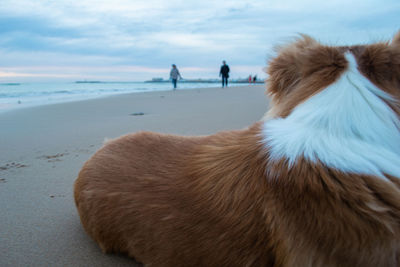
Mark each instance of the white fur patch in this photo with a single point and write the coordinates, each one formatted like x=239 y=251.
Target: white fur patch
x=346 y=126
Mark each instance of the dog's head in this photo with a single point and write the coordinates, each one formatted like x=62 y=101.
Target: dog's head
x=305 y=68
x=339 y=106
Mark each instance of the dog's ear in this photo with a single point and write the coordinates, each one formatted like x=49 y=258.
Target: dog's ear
x=285 y=70
x=396 y=59
x=380 y=63
x=396 y=39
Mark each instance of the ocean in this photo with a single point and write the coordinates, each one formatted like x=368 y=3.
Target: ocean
x=18 y=95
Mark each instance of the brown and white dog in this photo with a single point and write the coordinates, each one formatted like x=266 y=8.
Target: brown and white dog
x=316 y=183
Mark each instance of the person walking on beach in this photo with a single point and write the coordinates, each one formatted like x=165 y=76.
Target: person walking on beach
x=174 y=75
x=224 y=73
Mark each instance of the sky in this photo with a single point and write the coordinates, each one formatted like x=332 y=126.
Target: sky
x=136 y=40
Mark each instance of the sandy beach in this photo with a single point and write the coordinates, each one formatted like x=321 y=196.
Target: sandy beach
x=43 y=148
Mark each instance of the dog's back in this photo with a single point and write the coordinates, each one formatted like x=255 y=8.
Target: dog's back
x=166 y=201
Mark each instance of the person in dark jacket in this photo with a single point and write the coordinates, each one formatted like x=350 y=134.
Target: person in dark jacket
x=224 y=73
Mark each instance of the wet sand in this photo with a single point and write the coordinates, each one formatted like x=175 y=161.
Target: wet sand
x=43 y=148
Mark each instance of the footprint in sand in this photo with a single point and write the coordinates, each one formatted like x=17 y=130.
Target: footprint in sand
x=53 y=158
x=54 y=196
x=12 y=165
x=137 y=114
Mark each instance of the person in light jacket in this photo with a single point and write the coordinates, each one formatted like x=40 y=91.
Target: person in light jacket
x=174 y=75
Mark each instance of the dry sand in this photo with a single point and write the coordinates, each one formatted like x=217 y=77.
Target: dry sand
x=42 y=150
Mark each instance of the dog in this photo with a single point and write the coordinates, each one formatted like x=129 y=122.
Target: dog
x=316 y=182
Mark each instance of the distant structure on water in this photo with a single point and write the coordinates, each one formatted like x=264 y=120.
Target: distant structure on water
x=161 y=80
x=88 y=82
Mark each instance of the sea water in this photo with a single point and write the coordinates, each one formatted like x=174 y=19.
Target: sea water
x=18 y=95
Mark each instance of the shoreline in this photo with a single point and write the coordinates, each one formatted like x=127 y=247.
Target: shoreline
x=71 y=95
x=44 y=147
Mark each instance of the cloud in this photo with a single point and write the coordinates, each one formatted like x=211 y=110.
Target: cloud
x=193 y=34
x=4 y=74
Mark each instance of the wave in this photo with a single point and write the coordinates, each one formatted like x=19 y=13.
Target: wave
x=45 y=93
x=13 y=94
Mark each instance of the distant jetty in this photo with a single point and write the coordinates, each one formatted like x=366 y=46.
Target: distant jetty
x=161 y=80
x=88 y=82
x=10 y=84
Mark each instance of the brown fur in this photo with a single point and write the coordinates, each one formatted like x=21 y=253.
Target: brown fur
x=219 y=201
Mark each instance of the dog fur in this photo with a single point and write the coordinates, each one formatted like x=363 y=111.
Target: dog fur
x=279 y=193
